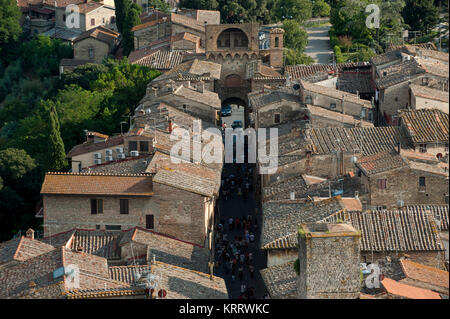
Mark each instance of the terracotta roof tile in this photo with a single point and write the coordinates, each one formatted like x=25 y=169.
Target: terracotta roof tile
x=301 y=71
x=160 y=58
x=423 y=273
x=392 y=230
x=22 y=248
x=381 y=162
x=426 y=125
x=281 y=281
x=92 y=147
x=399 y=289
x=439 y=212
x=93 y=184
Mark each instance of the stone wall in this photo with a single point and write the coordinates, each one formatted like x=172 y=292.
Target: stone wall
x=403 y=184
x=182 y=214
x=341 y=105
x=281 y=256
x=143 y=37
x=64 y=212
x=81 y=50
x=329 y=267
x=288 y=111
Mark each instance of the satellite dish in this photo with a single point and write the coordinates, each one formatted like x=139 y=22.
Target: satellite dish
x=354 y=159
x=162 y=293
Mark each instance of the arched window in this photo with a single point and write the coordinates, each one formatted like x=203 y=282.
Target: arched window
x=277 y=42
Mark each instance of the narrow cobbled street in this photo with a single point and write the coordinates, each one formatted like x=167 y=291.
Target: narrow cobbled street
x=238 y=230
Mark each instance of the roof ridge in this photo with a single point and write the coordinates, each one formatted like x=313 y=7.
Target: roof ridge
x=99 y=174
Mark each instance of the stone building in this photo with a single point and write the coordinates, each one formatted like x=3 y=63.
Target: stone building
x=81 y=264
x=276 y=107
x=280 y=220
x=335 y=100
x=50 y=17
x=328 y=261
x=95 y=44
x=422 y=97
x=427 y=130
x=393 y=92
x=157 y=26
x=392 y=179
x=93 y=150
x=394 y=233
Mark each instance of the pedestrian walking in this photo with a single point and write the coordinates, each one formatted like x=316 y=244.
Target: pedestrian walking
x=230 y=223
x=242 y=258
x=251 y=268
x=241 y=273
x=252 y=238
x=250 y=257
x=243 y=288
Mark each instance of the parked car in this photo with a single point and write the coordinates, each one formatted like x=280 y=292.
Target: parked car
x=226 y=110
x=236 y=124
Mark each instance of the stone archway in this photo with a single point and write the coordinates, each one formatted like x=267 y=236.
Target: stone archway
x=233 y=80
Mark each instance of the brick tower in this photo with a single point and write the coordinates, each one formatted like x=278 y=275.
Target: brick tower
x=276 y=47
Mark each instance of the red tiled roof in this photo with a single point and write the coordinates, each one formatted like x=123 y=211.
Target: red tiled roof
x=425 y=273
x=100 y=33
x=398 y=289
x=97 y=184
x=92 y=147
x=426 y=125
x=22 y=248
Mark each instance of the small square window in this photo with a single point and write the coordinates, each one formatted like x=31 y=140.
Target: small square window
x=91 y=53
x=92 y=21
x=96 y=206
x=308 y=99
x=333 y=105
x=113 y=227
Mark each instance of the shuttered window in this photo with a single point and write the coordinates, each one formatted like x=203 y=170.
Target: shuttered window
x=124 y=206
x=96 y=206
x=382 y=183
x=150 y=221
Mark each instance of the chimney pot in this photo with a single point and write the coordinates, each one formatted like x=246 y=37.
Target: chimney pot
x=30 y=234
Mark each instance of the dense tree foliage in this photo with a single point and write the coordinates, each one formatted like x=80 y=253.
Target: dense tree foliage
x=320 y=9
x=43 y=115
x=10 y=29
x=131 y=19
x=160 y=5
x=421 y=15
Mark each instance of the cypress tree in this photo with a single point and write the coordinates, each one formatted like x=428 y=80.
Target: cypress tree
x=56 y=153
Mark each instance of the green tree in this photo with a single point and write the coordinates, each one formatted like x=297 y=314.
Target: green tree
x=294 y=56
x=295 y=37
x=9 y=21
x=131 y=19
x=160 y=5
x=421 y=15
x=14 y=164
x=56 y=160
x=321 y=9
x=299 y=10
x=121 y=9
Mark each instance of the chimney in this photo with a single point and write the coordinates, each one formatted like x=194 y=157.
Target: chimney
x=89 y=138
x=201 y=86
x=334 y=274
x=155 y=90
x=30 y=234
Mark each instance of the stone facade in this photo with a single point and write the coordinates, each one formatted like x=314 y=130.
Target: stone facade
x=328 y=262
x=178 y=213
x=91 y=49
x=403 y=184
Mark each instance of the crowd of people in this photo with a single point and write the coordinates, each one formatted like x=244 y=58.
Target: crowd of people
x=232 y=251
